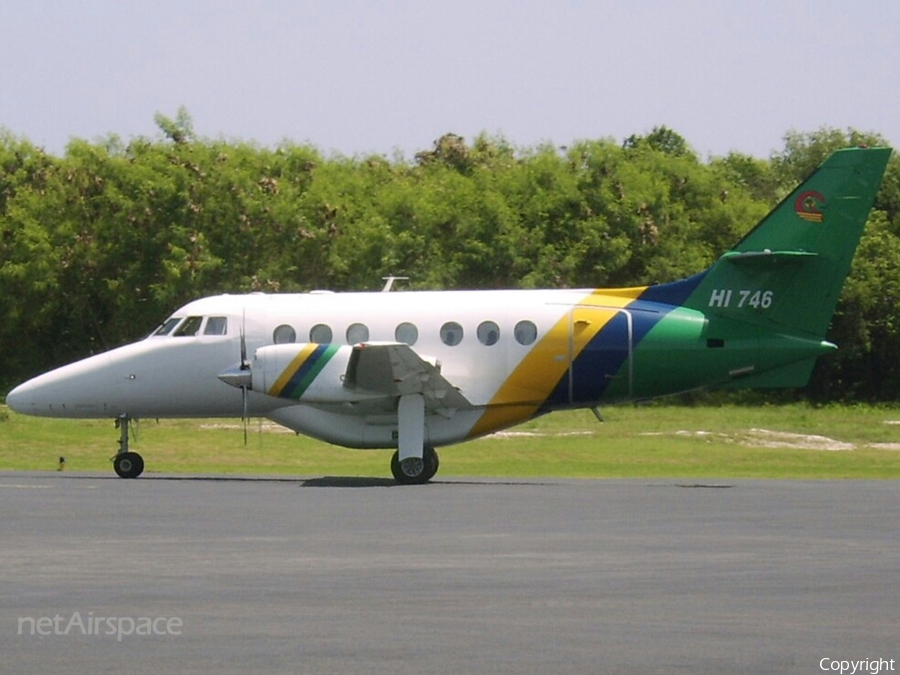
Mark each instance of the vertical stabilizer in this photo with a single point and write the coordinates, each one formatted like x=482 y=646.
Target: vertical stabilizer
x=789 y=270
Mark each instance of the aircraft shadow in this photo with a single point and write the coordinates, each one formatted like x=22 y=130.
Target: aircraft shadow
x=318 y=481
x=152 y=477
x=368 y=481
x=321 y=481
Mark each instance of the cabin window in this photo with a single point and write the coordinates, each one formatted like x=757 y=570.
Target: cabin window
x=525 y=332
x=451 y=333
x=284 y=335
x=167 y=327
x=357 y=333
x=320 y=334
x=407 y=333
x=190 y=327
x=216 y=325
x=488 y=333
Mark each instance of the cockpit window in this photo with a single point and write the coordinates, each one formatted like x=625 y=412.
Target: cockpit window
x=190 y=327
x=216 y=325
x=167 y=327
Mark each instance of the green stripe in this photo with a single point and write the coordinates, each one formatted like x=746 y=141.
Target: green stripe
x=314 y=371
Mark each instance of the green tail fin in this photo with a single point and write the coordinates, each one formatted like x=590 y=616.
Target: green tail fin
x=787 y=273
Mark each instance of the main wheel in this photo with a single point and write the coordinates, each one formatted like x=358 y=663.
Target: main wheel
x=432 y=461
x=415 y=471
x=128 y=465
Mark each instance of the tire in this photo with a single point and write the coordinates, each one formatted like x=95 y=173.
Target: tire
x=128 y=465
x=432 y=463
x=427 y=467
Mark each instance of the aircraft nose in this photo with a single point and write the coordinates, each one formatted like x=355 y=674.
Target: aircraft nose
x=34 y=397
x=18 y=399
x=70 y=391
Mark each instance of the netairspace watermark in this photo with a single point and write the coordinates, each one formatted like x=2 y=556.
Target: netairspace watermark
x=103 y=626
x=859 y=667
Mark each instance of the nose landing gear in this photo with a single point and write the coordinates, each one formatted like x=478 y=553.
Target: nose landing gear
x=127 y=464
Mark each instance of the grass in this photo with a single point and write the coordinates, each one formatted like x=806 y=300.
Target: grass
x=656 y=441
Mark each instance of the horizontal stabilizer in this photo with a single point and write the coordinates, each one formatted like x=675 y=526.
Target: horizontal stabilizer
x=792 y=375
x=766 y=258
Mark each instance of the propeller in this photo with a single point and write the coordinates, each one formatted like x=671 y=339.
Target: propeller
x=247 y=380
x=241 y=376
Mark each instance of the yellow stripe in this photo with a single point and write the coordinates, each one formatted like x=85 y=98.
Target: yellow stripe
x=533 y=380
x=288 y=372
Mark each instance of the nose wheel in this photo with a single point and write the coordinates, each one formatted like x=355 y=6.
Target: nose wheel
x=415 y=470
x=127 y=464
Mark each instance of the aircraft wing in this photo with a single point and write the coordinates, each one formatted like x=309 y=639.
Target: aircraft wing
x=395 y=369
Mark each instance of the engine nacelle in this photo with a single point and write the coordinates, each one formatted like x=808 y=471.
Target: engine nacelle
x=302 y=371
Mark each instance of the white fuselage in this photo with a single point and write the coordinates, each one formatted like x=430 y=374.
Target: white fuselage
x=478 y=340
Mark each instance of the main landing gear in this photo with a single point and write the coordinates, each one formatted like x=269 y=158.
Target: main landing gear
x=415 y=470
x=127 y=464
x=414 y=462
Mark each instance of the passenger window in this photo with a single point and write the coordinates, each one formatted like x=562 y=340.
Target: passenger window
x=451 y=333
x=284 y=335
x=167 y=327
x=488 y=333
x=216 y=325
x=190 y=327
x=406 y=332
x=356 y=333
x=320 y=334
x=525 y=332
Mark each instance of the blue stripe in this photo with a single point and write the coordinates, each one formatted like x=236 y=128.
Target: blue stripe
x=297 y=378
x=604 y=355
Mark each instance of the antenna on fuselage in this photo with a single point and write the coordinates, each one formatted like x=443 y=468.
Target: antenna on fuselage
x=390 y=282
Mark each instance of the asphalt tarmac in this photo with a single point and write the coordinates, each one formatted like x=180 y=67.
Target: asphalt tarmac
x=340 y=575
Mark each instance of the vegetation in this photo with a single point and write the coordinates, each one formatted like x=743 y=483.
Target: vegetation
x=796 y=441
x=99 y=245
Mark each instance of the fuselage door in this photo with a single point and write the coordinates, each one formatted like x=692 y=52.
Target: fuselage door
x=600 y=354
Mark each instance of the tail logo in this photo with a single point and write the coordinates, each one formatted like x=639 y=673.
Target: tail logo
x=807 y=206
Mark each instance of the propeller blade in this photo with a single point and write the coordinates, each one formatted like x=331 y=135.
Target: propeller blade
x=245 y=382
x=245 y=364
x=245 y=394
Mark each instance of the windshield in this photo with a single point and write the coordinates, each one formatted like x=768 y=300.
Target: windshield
x=167 y=327
x=190 y=327
x=178 y=326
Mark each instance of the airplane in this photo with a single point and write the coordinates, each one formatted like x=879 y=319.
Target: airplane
x=417 y=370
